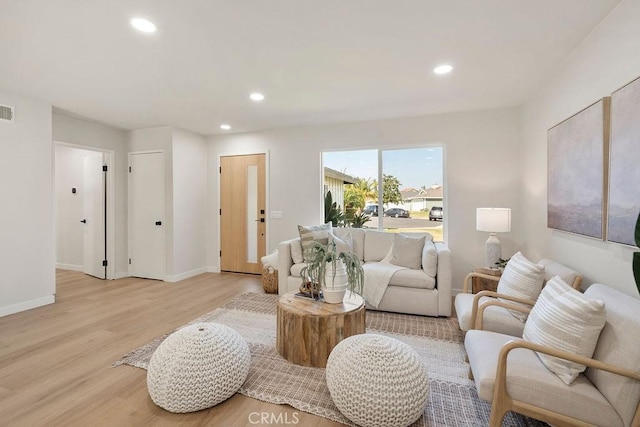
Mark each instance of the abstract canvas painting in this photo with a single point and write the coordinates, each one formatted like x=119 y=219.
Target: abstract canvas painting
x=577 y=153
x=624 y=167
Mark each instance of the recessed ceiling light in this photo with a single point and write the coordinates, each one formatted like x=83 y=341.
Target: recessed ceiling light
x=143 y=25
x=225 y=126
x=255 y=96
x=443 y=69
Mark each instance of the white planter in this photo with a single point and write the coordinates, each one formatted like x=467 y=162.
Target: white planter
x=335 y=286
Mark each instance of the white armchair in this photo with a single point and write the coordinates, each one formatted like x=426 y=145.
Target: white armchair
x=508 y=372
x=485 y=311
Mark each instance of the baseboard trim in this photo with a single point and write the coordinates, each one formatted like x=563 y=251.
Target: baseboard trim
x=71 y=267
x=27 y=305
x=213 y=269
x=186 y=275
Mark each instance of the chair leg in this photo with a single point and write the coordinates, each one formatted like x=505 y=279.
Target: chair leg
x=498 y=411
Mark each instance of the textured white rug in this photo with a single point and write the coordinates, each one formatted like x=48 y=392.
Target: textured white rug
x=453 y=400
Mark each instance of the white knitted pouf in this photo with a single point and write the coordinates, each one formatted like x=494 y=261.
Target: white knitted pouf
x=198 y=367
x=377 y=381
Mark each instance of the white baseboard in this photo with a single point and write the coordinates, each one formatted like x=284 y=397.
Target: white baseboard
x=213 y=269
x=182 y=276
x=70 y=267
x=27 y=305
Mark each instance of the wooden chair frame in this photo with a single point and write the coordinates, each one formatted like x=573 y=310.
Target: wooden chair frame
x=502 y=402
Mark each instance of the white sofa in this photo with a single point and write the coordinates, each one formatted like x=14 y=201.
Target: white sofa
x=426 y=291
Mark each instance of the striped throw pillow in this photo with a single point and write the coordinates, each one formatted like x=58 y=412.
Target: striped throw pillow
x=566 y=320
x=311 y=233
x=521 y=279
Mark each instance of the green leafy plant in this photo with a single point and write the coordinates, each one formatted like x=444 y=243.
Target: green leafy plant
x=358 y=220
x=636 y=255
x=319 y=257
x=332 y=212
x=502 y=263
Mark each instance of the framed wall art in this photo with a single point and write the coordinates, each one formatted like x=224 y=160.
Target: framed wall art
x=577 y=164
x=624 y=166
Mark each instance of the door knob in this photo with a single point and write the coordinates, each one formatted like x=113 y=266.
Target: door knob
x=158 y=222
x=84 y=221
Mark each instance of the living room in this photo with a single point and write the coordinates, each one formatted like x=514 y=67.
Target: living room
x=495 y=155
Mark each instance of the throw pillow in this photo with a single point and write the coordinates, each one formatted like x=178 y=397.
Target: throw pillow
x=521 y=279
x=430 y=258
x=296 y=251
x=407 y=251
x=566 y=320
x=344 y=244
x=311 y=233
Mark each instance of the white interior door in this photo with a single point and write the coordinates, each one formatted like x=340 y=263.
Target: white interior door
x=146 y=215
x=94 y=216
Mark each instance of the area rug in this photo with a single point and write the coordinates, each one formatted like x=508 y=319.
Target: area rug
x=453 y=400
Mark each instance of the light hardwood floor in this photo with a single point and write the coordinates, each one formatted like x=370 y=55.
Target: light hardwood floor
x=55 y=361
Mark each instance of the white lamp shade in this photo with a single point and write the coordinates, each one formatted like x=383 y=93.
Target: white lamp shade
x=493 y=220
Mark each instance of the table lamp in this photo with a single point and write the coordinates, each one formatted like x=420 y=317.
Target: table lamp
x=493 y=220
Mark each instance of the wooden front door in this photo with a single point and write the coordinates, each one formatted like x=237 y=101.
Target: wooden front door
x=242 y=213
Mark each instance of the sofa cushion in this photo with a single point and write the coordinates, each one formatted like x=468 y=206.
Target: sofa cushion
x=357 y=238
x=496 y=319
x=530 y=381
x=412 y=279
x=344 y=243
x=377 y=245
x=296 y=251
x=297 y=268
x=567 y=320
x=407 y=251
x=311 y=233
x=430 y=258
x=521 y=279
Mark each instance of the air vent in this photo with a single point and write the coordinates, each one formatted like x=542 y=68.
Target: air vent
x=7 y=113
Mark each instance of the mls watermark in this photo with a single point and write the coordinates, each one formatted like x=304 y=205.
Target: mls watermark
x=269 y=418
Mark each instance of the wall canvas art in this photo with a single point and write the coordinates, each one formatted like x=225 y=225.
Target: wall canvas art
x=577 y=160
x=624 y=169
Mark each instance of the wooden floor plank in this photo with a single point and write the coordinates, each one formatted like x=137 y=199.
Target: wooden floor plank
x=55 y=361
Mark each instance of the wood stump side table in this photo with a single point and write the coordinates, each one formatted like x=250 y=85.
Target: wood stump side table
x=481 y=284
x=308 y=330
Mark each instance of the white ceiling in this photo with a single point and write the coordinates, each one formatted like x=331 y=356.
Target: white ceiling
x=317 y=61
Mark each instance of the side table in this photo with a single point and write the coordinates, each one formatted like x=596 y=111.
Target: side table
x=481 y=284
x=308 y=330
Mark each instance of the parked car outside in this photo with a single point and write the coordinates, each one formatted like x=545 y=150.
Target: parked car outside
x=397 y=213
x=435 y=213
x=371 y=210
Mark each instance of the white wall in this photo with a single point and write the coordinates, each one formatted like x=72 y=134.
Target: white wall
x=189 y=204
x=69 y=207
x=27 y=268
x=481 y=169
x=606 y=60
x=81 y=132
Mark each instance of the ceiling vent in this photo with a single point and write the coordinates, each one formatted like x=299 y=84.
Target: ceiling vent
x=7 y=113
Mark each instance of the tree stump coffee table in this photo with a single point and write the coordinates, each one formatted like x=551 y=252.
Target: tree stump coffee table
x=308 y=330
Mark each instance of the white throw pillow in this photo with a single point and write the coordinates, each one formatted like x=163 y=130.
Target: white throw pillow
x=566 y=320
x=521 y=279
x=344 y=244
x=311 y=233
x=296 y=251
x=407 y=251
x=430 y=258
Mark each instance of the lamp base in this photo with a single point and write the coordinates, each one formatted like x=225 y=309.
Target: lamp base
x=492 y=251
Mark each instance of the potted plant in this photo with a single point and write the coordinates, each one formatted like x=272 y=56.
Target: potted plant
x=334 y=272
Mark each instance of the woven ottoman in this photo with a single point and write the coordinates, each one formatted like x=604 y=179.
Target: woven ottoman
x=197 y=367
x=377 y=381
